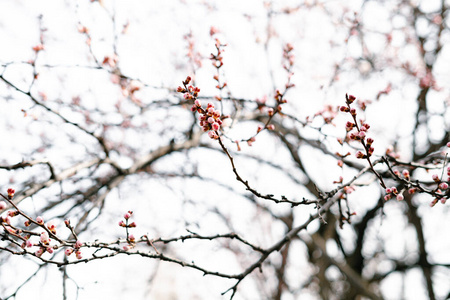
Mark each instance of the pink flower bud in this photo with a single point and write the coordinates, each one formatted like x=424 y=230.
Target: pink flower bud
x=405 y=174
x=49 y=250
x=2 y=205
x=39 y=252
x=11 y=193
x=78 y=244
x=40 y=220
x=78 y=254
x=45 y=240
x=270 y=127
x=412 y=190
x=122 y=224
x=126 y=247
x=131 y=238
x=443 y=186
x=127 y=216
x=388 y=191
x=197 y=103
x=435 y=177
x=215 y=126
x=29 y=244
x=133 y=224
x=350 y=99
x=360 y=155
x=400 y=197
x=68 y=251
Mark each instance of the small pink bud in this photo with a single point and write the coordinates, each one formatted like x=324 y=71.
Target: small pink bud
x=45 y=238
x=29 y=244
x=78 y=254
x=271 y=127
x=40 y=220
x=197 y=103
x=39 y=252
x=436 y=178
x=133 y=224
x=11 y=193
x=340 y=163
x=127 y=216
x=350 y=98
x=215 y=126
x=131 y=238
x=443 y=186
x=126 y=247
x=122 y=224
x=405 y=174
x=400 y=197
x=359 y=154
x=2 y=205
x=49 y=250
x=78 y=244
x=412 y=190
x=68 y=251
x=388 y=191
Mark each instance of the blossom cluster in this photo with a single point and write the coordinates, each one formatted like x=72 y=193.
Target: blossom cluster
x=357 y=132
x=210 y=118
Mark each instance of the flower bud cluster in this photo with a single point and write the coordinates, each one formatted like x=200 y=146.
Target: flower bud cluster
x=76 y=248
x=217 y=59
x=210 y=118
x=393 y=192
x=357 y=132
x=127 y=217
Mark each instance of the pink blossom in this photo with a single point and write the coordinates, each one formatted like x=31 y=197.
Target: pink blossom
x=78 y=254
x=2 y=205
x=78 y=244
x=45 y=239
x=40 y=220
x=443 y=185
x=68 y=251
x=39 y=252
x=215 y=126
